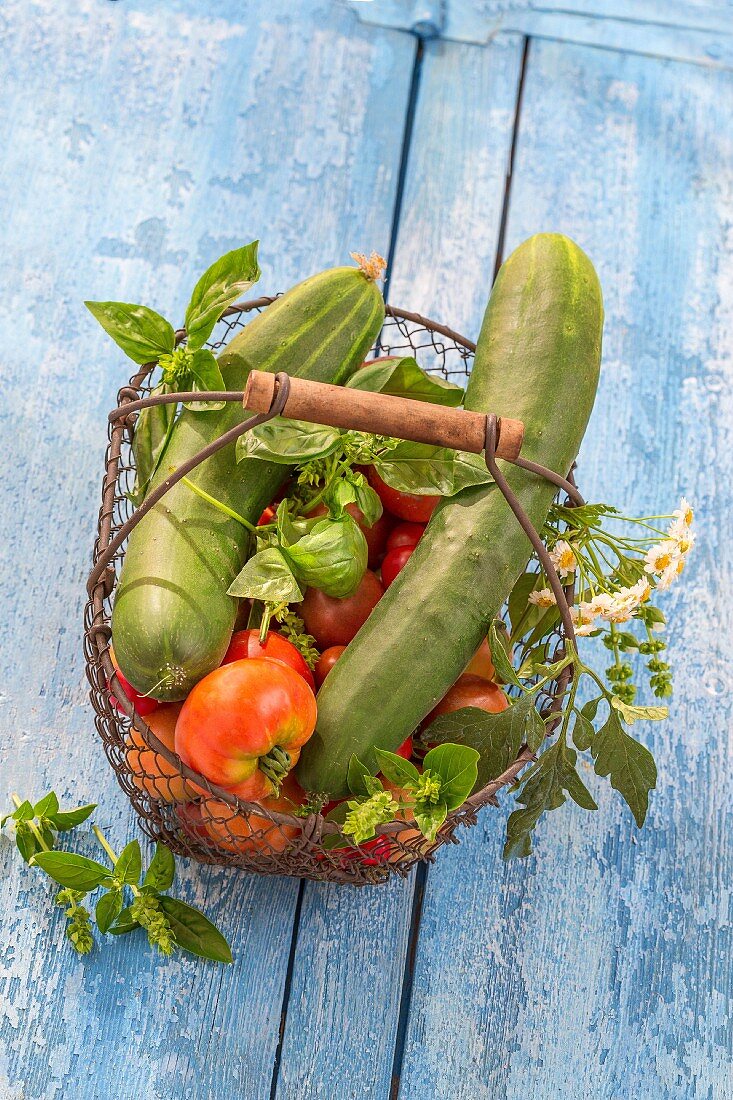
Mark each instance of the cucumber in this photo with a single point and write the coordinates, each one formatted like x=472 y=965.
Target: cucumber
x=172 y=619
x=538 y=359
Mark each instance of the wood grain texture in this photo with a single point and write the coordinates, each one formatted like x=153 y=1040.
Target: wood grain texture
x=167 y=134
x=349 y=965
x=600 y=966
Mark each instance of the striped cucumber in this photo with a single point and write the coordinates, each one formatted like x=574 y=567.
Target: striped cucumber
x=538 y=359
x=172 y=618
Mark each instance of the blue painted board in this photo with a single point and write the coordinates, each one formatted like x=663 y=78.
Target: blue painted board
x=141 y=141
x=600 y=966
x=349 y=966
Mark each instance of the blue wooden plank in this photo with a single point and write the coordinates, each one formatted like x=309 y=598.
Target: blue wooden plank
x=166 y=134
x=349 y=966
x=599 y=967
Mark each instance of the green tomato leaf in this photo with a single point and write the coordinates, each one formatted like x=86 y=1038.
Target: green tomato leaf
x=583 y=732
x=396 y=769
x=367 y=500
x=142 y=333
x=73 y=871
x=219 y=287
x=356 y=775
x=162 y=869
x=268 y=577
x=152 y=431
x=194 y=932
x=47 y=806
x=332 y=556
x=499 y=657
x=404 y=378
x=457 y=766
x=589 y=710
x=64 y=820
x=129 y=864
x=429 y=817
x=544 y=790
x=288 y=442
x=426 y=470
x=206 y=375
x=632 y=713
x=107 y=910
x=26 y=841
x=123 y=924
x=629 y=764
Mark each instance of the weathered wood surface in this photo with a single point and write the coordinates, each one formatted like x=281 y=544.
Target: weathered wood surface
x=169 y=132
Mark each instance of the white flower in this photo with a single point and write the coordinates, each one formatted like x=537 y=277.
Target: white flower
x=670 y=574
x=684 y=514
x=601 y=603
x=563 y=558
x=661 y=557
x=619 y=612
x=634 y=596
x=682 y=536
x=544 y=598
x=583 y=617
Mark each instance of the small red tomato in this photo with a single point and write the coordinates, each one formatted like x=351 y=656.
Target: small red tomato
x=481 y=663
x=268 y=516
x=394 y=562
x=143 y=704
x=409 y=506
x=470 y=691
x=405 y=534
x=326 y=661
x=244 y=724
x=376 y=535
x=334 y=621
x=246 y=643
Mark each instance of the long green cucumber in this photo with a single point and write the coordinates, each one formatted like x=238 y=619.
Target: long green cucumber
x=172 y=618
x=538 y=359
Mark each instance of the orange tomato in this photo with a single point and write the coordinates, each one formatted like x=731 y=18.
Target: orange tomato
x=150 y=771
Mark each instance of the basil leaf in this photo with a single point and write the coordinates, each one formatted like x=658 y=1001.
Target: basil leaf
x=396 y=769
x=545 y=790
x=219 y=287
x=267 y=576
x=496 y=737
x=629 y=764
x=356 y=774
x=404 y=378
x=152 y=432
x=24 y=812
x=107 y=909
x=367 y=500
x=123 y=924
x=457 y=766
x=332 y=556
x=341 y=494
x=372 y=784
x=632 y=713
x=429 y=817
x=49 y=804
x=162 y=869
x=64 y=820
x=206 y=376
x=194 y=932
x=69 y=869
x=129 y=864
x=288 y=442
x=142 y=333
x=499 y=658
x=25 y=841
x=426 y=470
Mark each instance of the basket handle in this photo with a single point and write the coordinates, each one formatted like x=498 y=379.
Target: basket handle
x=382 y=414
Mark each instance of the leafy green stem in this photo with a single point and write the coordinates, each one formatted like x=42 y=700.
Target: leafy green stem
x=32 y=825
x=225 y=509
x=112 y=854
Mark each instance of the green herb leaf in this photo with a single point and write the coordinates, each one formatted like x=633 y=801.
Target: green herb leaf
x=499 y=657
x=404 y=378
x=142 y=333
x=219 y=287
x=26 y=841
x=47 y=806
x=129 y=865
x=589 y=710
x=367 y=500
x=267 y=576
x=629 y=764
x=423 y=469
x=341 y=494
x=64 y=820
x=125 y=923
x=24 y=812
x=332 y=556
x=152 y=431
x=355 y=775
x=545 y=790
x=632 y=713
x=396 y=769
x=457 y=766
x=194 y=932
x=289 y=442
x=429 y=817
x=107 y=910
x=162 y=869
x=206 y=375
x=76 y=872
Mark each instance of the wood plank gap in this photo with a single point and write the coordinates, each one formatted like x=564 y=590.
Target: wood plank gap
x=510 y=164
x=286 y=991
x=418 y=896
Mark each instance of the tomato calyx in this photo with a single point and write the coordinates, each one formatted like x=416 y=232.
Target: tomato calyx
x=275 y=764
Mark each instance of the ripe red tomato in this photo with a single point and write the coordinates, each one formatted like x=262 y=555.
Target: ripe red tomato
x=409 y=506
x=470 y=691
x=326 y=661
x=244 y=724
x=394 y=562
x=334 y=621
x=481 y=663
x=143 y=704
x=150 y=772
x=405 y=534
x=376 y=535
x=254 y=833
x=246 y=643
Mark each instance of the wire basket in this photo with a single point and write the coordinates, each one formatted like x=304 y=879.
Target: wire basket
x=182 y=809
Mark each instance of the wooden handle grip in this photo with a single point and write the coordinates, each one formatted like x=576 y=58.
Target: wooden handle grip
x=381 y=414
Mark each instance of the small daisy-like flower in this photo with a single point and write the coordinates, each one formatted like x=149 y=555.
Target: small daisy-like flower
x=636 y=595
x=661 y=556
x=544 y=598
x=670 y=574
x=684 y=513
x=563 y=558
x=601 y=603
x=583 y=617
x=619 y=612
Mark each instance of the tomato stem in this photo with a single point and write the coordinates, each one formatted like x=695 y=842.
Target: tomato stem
x=275 y=764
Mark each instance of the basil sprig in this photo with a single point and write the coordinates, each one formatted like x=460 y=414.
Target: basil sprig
x=405 y=378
